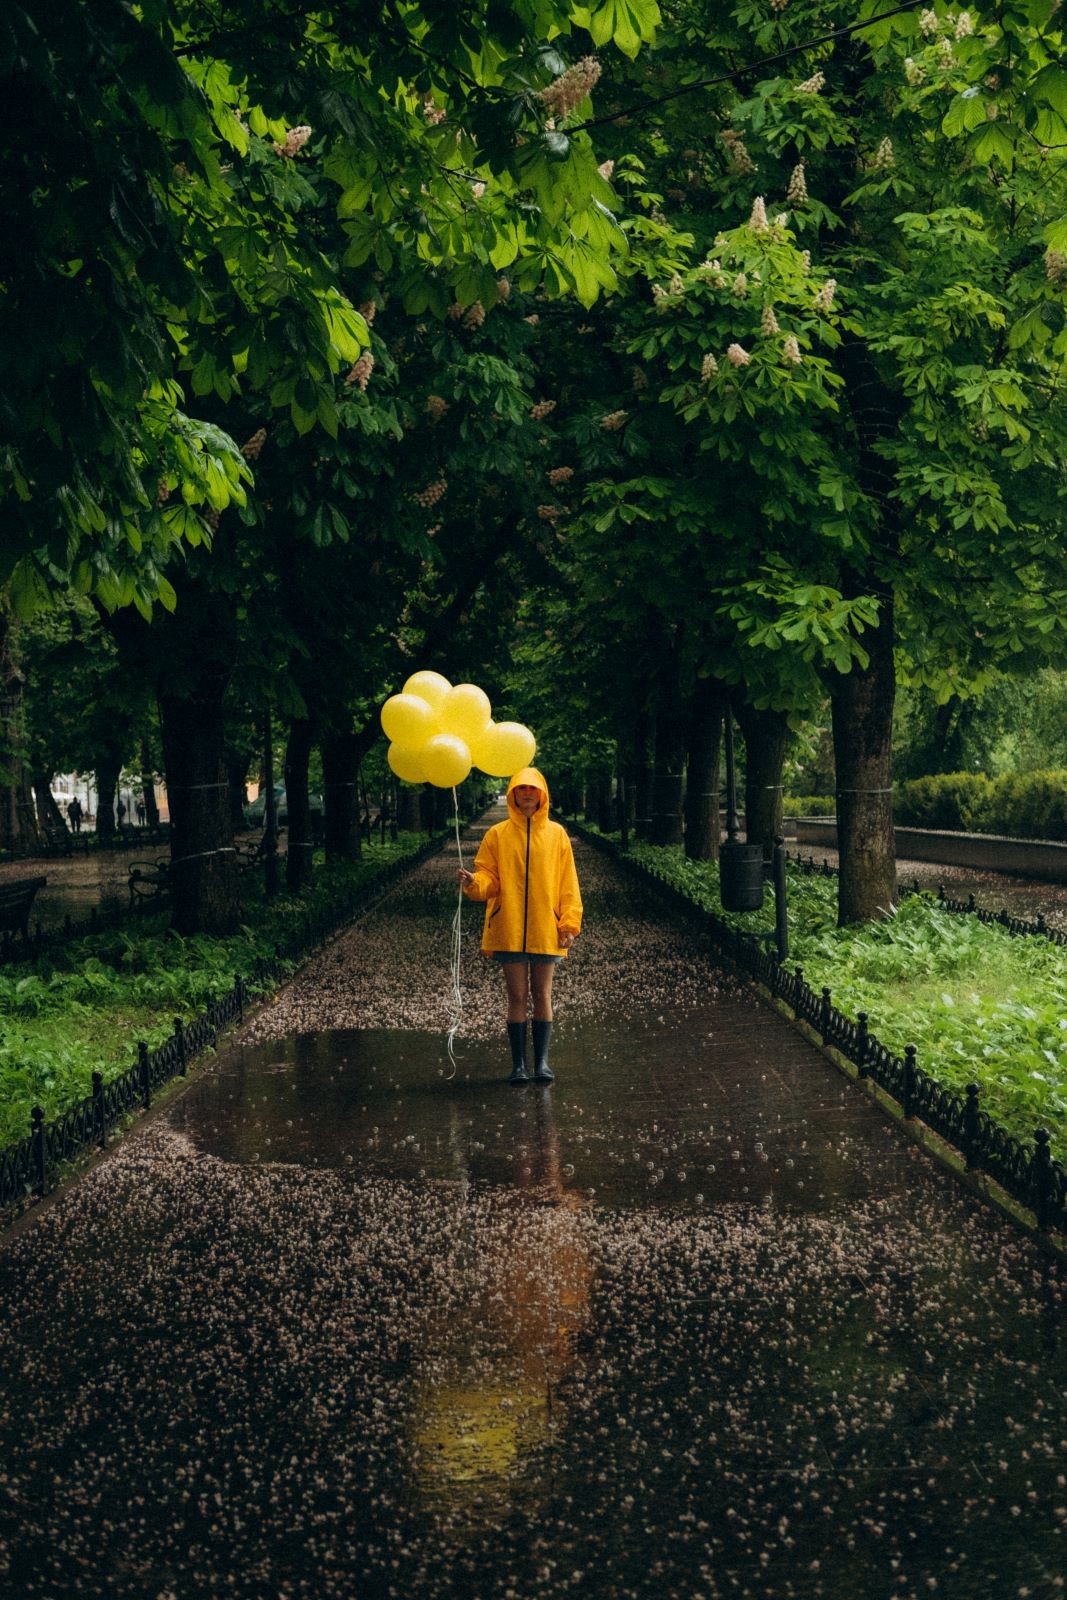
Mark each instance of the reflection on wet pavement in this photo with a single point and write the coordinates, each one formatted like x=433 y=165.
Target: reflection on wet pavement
x=721 y=1106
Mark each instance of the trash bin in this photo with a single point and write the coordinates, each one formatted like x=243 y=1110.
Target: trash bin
x=741 y=876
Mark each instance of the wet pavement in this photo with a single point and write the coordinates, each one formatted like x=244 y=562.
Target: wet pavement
x=694 y=1322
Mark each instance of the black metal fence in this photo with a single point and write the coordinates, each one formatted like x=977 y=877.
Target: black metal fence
x=1028 y=1173
x=28 y=1167
x=100 y=920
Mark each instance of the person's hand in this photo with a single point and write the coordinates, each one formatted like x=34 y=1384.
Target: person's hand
x=464 y=877
x=566 y=940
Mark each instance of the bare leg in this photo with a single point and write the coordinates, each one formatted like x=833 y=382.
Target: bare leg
x=517 y=978
x=541 y=976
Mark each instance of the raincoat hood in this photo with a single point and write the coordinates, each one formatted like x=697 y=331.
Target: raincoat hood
x=528 y=775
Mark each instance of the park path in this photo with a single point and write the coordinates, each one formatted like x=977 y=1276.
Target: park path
x=696 y=1321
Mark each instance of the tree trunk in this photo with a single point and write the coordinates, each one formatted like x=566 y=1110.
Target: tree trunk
x=409 y=809
x=605 y=811
x=48 y=813
x=11 y=740
x=703 y=823
x=766 y=736
x=107 y=782
x=298 y=863
x=148 y=786
x=271 y=859
x=205 y=895
x=340 y=776
x=644 y=738
x=670 y=754
x=442 y=808
x=862 y=704
x=237 y=773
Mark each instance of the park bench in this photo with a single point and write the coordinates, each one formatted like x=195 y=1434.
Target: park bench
x=16 y=898
x=148 y=880
x=252 y=854
x=58 y=840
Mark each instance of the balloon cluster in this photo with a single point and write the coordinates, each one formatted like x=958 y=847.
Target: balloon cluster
x=440 y=730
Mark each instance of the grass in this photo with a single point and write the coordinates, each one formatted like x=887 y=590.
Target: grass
x=980 y=1005
x=82 y=1006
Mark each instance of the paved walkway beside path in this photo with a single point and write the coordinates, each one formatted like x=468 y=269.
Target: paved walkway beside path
x=694 y=1322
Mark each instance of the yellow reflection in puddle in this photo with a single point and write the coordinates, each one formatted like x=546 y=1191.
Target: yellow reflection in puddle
x=468 y=1433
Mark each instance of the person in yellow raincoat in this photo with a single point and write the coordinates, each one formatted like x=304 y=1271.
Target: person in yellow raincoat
x=524 y=871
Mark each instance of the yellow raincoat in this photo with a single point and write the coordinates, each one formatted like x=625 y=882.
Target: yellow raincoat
x=524 y=871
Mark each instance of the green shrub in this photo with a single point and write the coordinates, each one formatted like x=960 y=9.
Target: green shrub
x=1032 y=805
x=809 y=805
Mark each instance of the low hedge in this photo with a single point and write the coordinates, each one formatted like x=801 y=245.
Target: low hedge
x=809 y=805
x=1031 y=805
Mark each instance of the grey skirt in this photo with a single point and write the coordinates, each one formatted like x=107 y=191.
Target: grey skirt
x=508 y=956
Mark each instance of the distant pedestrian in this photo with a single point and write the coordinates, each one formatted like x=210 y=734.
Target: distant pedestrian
x=122 y=812
x=74 y=813
x=525 y=873
x=142 y=813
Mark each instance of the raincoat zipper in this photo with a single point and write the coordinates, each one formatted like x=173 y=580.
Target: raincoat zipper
x=526 y=888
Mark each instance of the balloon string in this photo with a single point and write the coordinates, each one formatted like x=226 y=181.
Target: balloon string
x=456 y=997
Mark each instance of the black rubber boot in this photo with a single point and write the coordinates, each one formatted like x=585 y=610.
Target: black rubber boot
x=542 y=1035
x=517 y=1040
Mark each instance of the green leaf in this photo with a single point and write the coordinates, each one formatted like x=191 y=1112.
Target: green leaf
x=966 y=112
x=993 y=144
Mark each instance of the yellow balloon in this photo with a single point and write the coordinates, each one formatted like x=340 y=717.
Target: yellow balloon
x=429 y=686
x=407 y=764
x=503 y=748
x=446 y=759
x=408 y=720
x=465 y=711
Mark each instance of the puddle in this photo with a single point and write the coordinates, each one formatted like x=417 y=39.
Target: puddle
x=692 y=1116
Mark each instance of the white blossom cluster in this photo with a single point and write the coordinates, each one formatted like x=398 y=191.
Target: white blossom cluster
x=571 y=87
x=432 y=493
x=797 y=192
x=740 y=161
x=360 y=371
x=883 y=159
x=824 y=300
x=295 y=140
